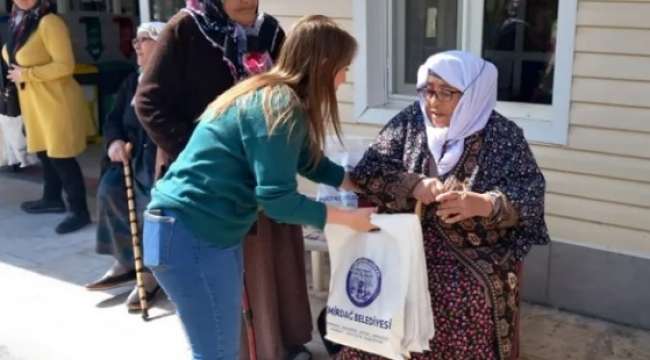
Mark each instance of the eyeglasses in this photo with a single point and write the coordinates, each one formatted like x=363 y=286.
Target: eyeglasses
x=443 y=95
x=138 y=41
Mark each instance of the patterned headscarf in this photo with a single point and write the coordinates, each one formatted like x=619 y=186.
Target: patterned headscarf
x=477 y=80
x=23 y=23
x=246 y=50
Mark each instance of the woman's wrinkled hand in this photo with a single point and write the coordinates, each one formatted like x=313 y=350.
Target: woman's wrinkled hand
x=427 y=190
x=117 y=152
x=457 y=206
x=15 y=74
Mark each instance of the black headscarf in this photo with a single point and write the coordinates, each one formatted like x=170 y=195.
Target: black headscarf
x=23 y=23
x=232 y=39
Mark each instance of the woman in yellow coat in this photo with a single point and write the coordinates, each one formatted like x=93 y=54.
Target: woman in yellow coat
x=56 y=117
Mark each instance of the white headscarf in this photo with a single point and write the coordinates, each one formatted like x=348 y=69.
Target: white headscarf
x=151 y=29
x=477 y=80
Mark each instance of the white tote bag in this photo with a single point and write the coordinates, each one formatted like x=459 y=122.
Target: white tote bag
x=13 y=149
x=379 y=300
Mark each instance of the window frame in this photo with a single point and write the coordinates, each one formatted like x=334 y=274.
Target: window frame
x=374 y=103
x=145 y=10
x=397 y=81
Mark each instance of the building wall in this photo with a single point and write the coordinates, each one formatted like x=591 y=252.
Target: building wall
x=598 y=185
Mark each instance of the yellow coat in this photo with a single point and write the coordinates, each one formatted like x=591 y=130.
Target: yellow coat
x=54 y=110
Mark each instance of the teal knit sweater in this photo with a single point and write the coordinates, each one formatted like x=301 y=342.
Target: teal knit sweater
x=232 y=167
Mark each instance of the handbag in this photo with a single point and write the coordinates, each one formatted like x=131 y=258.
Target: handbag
x=9 y=104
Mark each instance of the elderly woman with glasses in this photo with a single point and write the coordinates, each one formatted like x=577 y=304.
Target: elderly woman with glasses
x=483 y=203
x=121 y=128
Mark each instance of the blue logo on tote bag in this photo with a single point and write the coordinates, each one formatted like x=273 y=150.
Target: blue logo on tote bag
x=363 y=283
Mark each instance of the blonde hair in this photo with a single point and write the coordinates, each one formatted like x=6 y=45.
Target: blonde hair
x=313 y=53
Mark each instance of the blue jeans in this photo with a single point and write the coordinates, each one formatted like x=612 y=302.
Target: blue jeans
x=203 y=281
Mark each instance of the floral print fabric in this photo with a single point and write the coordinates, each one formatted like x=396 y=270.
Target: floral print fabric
x=473 y=266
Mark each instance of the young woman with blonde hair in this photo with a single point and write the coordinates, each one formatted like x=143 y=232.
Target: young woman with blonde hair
x=244 y=157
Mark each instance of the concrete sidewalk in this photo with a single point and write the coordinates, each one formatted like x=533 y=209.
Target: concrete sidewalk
x=46 y=314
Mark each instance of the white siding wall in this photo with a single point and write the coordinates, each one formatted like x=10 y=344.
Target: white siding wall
x=599 y=184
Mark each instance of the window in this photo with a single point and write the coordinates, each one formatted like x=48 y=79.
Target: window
x=125 y=7
x=420 y=28
x=93 y=5
x=159 y=10
x=163 y=10
x=519 y=38
x=530 y=42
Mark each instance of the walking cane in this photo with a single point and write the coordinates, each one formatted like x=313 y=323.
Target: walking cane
x=248 y=321
x=135 y=237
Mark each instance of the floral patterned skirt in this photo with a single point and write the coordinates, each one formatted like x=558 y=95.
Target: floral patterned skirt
x=461 y=307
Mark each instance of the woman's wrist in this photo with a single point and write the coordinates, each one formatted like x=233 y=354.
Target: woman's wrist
x=357 y=219
x=487 y=205
x=348 y=185
x=334 y=215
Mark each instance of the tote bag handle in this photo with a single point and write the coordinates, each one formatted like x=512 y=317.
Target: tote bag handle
x=418 y=209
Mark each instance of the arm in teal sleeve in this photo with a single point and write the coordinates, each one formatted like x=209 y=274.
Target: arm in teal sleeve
x=326 y=171
x=274 y=160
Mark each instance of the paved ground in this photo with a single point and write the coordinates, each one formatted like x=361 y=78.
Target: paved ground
x=45 y=314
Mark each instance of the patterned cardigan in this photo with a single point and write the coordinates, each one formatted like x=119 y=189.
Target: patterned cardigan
x=504 y=163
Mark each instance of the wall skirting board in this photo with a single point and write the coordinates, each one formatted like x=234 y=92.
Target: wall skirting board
x=592 y=282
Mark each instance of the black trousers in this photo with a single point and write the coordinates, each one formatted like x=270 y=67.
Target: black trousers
x=64 y=174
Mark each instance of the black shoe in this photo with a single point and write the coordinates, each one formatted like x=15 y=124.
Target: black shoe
x=331 y=347
x=133 y=303
x=112 y=281
x=43 y=207
x=299 y=352
x=72 y=223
